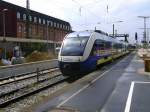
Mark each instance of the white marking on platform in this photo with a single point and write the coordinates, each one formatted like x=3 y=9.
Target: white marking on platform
x=140 y=82
x=128 y=103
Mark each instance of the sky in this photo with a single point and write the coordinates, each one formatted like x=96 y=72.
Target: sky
x=102 y=14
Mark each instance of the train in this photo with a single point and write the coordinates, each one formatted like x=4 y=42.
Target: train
x=83 y=51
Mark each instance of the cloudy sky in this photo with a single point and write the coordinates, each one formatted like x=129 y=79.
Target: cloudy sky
x=88 y=14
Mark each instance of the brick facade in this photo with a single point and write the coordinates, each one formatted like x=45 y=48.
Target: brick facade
x=40 y=26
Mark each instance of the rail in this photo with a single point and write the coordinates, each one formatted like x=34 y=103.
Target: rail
x=19 y=77
x=15 y=70
x=28 y=91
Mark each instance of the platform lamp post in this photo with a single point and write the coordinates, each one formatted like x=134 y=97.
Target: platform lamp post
x=114 y=27
x=4 y=31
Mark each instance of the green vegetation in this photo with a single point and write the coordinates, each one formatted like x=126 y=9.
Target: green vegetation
x=28 y=48
x=39 y=56
x=1 y=64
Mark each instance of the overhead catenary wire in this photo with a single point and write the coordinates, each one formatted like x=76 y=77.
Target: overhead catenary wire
x=81 y=11
x=89 y=11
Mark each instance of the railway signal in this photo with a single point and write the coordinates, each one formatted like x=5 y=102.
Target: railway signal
x=136 y=36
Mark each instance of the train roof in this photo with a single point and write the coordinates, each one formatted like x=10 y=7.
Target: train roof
x=80 y=33
x=88 y=33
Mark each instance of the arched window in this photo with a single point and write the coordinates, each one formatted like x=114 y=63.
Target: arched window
x=18 y=15
x=60 y=25
x=24 y=17
x=48 y=23
x=30 y=18
x=19 y=28
x=68 y=28
x=35 y=19
x=54 y=24
x=57 y=25
x=40 y=20
x=51 y=23
x=44 y=21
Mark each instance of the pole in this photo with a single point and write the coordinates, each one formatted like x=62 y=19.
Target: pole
x=4 y=28
x=27 y=19
x=114 y=27
x=47 y=36
x=113 y=31
x=54 y=46
x=4 y=24
x=148 y=37
x=145 y=44
x=145 y=30
x=38 y=73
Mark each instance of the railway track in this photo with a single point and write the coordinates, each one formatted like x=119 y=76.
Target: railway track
x=23 y=81
x=19 y=93
x=11 y=79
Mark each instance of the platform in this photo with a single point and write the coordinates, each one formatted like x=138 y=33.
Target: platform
x=110 y=91
x=138 y=100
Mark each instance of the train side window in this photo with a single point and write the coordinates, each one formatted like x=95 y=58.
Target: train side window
x=93 y=51
x=115 y=45
x=98 y=45
x=102 y=45
x=108 y=45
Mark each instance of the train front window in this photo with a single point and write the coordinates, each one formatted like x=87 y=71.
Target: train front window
x=74 y=46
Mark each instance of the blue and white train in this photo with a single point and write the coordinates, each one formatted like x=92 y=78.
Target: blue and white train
x=83 y=51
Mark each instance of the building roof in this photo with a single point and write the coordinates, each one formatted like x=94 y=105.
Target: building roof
x=32 y=12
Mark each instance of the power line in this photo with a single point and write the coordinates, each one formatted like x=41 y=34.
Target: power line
x=85 y=8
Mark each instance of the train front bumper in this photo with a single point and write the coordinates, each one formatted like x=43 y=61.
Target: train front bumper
x=68 y=68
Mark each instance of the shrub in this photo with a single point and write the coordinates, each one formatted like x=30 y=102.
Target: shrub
x=1 y=64
x=39 y=56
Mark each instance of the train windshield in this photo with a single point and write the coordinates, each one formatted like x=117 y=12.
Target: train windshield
x=74 y=46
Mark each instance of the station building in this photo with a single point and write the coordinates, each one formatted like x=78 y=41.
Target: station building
x=19 y=26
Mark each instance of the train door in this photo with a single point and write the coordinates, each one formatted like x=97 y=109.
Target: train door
x=108 y=47
x=98 y=48
x=101 y=47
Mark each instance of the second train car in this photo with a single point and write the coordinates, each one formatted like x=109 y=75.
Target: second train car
x=83 y=51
